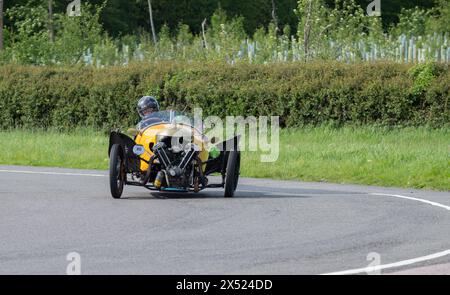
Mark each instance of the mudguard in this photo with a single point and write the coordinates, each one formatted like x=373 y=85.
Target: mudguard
x=219 y=164
x=132 y=162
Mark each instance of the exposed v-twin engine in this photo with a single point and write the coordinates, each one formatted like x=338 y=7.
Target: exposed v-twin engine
x=176 y=163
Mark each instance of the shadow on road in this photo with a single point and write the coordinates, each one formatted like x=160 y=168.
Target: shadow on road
x=212 y=195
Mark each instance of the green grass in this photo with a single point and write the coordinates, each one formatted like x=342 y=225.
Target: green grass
x=84 y=149
x=402 y=157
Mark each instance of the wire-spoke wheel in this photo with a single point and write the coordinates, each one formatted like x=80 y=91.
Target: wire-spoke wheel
x=232 y=173
x=116 y=171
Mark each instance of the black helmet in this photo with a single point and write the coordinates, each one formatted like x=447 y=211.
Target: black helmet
x=147 y=105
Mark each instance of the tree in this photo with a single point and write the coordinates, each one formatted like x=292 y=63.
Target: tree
x=440 y=20
x=152 y=25
x=274 y=15
x=51 y=30
x=1 y=25
x=313 y=23
x=307 y=29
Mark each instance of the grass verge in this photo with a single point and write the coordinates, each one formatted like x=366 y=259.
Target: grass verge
x=401 y=157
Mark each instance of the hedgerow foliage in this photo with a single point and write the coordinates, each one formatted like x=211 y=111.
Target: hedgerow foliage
x=300 y=93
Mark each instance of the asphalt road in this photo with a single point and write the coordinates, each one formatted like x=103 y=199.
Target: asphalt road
x=270 y=227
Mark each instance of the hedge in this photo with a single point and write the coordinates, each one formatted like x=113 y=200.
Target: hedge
x=312 y=93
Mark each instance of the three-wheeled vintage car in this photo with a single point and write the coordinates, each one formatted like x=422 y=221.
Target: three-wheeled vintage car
x=168 y=153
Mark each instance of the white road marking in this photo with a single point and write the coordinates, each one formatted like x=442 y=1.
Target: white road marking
x=52 y=173
x=391 y=265
x=415 y=199
x=403 y=262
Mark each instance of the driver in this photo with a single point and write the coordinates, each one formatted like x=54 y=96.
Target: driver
x=146 y=106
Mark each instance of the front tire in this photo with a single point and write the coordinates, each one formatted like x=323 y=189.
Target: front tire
x=116 y=171
x=232 y=173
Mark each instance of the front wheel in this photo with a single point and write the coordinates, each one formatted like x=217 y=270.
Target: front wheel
x=116 y=171
x=232 y=173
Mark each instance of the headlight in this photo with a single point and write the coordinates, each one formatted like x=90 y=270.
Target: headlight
x=138 y=150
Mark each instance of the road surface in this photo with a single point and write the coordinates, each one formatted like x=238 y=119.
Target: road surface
x=270 y=227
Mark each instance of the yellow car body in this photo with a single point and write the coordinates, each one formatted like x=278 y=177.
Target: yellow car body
x=148 y=138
